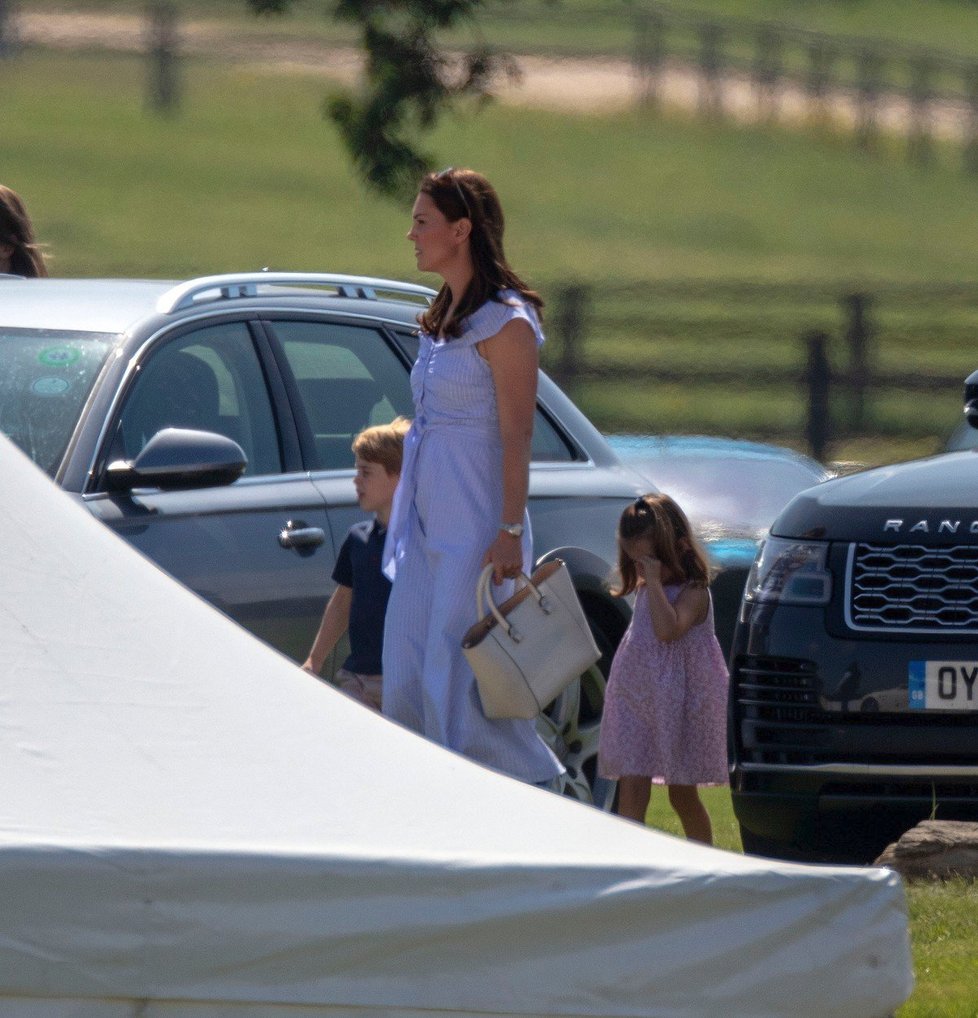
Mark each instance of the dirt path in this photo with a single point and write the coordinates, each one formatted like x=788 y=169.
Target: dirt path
x=585 y=85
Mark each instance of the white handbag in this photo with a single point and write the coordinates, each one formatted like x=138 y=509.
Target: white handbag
x=527 y=650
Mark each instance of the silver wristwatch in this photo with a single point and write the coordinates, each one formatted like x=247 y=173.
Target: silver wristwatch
x=513 y=529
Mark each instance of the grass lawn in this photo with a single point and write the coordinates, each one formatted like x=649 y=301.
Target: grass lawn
x=250 y=174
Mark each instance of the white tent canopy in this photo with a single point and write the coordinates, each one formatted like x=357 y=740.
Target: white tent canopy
x=190 y=826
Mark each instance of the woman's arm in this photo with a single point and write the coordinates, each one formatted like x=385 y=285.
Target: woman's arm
x=672 y=621
x=513 y=359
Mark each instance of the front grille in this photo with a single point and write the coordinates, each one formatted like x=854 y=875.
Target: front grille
x=777 y=709
x=911 y=588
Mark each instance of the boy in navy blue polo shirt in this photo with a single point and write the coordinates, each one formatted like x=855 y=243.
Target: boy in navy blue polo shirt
x=359 y=603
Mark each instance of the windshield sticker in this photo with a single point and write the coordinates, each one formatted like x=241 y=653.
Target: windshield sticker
x=50 y=386
x=59 y=356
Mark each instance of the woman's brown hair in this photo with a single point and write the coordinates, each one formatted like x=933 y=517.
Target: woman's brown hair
x=16 y=230
x=659 y=518
x=465 y=194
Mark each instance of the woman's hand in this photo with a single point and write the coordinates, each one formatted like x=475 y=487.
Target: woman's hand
x=505 y=555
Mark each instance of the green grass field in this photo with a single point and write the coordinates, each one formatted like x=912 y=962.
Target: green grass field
x=250 y=175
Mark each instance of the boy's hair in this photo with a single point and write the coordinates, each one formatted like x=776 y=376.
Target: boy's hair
x=659 y=518
x=383 y=444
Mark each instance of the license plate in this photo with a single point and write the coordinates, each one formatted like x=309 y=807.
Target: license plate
x=944 y=685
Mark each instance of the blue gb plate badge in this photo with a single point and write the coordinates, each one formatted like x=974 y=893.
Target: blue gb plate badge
x=943 y=685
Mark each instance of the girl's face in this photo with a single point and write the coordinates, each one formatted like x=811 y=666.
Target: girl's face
x=437 y=241
x=637 y=548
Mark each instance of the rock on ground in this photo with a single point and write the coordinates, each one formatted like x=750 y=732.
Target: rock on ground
x=935 y=849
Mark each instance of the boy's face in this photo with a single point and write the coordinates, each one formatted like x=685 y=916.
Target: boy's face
x=374 y=486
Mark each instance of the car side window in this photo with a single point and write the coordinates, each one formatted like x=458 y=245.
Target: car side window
x=208 y=380
x=349 y=377
x=548 y=445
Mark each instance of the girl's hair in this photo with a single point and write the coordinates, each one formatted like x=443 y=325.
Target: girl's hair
x=16 y=229
x=660 y=519
x=383 y=444
x=465 y=194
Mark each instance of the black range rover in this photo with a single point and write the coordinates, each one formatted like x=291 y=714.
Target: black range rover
x=854 y=667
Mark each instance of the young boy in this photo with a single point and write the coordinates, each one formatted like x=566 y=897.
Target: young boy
x=359 y=602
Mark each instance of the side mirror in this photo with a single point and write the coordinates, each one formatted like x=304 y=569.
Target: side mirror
x=971 y=399
x=176 y=459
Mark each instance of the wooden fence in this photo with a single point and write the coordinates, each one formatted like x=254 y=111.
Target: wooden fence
x=803 y=365
x=766 y=70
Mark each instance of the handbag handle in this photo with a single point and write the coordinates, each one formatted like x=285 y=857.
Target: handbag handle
x=483 y=597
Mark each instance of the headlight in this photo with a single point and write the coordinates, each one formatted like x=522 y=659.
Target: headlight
x=790 y=572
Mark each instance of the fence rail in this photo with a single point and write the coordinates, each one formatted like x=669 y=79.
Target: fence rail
x=767 y=70
x=805 y=365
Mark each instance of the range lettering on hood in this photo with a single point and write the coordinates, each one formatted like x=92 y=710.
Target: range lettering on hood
x=925 y=526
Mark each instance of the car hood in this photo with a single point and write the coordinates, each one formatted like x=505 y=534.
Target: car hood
x=929 y=501
x=730 y=489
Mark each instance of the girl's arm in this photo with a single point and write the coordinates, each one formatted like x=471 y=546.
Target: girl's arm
x=513 y=359
x=336 y=621
x=672 y=621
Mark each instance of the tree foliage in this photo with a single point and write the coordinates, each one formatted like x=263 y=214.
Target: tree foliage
x=410 y=80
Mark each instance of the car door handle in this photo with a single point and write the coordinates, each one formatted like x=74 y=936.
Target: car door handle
x=297 y=535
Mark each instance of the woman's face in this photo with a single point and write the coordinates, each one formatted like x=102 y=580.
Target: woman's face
x=437 y=241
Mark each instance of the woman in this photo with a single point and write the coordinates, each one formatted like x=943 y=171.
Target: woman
x=461 y=503
x=19 y=252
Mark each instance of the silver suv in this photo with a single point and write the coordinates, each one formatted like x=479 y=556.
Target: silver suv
x=209 y=424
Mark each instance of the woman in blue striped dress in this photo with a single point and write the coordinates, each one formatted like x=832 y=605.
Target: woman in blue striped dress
x=461 y=502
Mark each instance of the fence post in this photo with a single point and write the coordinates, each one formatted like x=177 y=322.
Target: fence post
x=650 y=29
x=821 y=56
x=868 y=96
x=162 y=41
x=711 y=63
x=858 y=334
x=767 y=71
x=971 y=138
x=817 y=378
x=6 y=28
x=570 y=319
x=919 y=148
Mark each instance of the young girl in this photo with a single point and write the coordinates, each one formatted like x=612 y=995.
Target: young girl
x=666 y=703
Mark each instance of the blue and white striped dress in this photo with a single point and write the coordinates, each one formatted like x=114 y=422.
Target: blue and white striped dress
x=446 y=514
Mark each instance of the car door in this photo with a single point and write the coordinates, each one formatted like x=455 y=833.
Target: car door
x=343 y=376
x=260 y=549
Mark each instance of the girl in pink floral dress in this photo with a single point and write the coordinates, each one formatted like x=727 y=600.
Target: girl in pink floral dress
x=666 y=703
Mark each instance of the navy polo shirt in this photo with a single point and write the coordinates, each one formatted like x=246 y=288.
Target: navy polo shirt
x=358 y=567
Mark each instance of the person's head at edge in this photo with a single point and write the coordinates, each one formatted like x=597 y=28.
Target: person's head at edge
x=457 y=232
x=19 y=251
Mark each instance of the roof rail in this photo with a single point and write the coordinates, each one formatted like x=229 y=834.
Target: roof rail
x=245 y=284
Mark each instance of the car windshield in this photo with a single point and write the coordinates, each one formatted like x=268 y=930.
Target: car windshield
x=45 y=378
